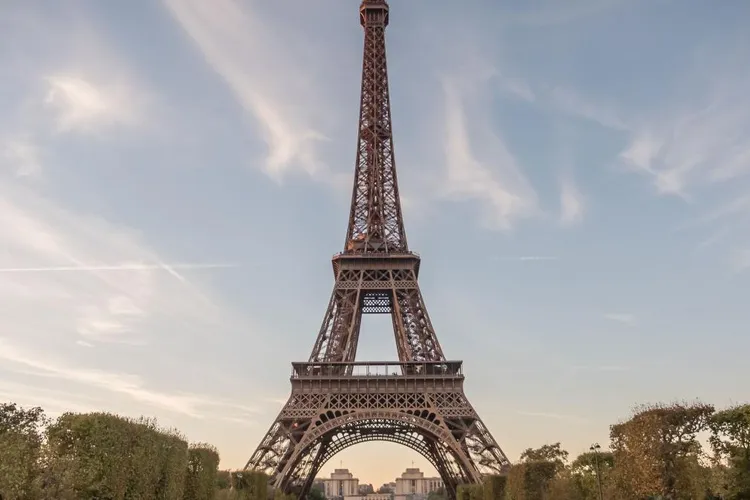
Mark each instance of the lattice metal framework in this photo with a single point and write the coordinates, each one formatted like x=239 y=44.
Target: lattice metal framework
x=375 y=221
x=336 y=402
x=376 y=283
x=337 y=405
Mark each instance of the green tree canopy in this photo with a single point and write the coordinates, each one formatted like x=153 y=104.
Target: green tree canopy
x=730 y=440
x=548 y=453
x=21 y=442
x=656 y=452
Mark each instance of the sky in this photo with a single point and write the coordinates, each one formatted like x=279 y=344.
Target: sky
x=175 y=177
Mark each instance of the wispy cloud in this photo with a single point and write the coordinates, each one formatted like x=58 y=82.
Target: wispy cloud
x=295 y=120
x=235 y=41
x=119 y=267
x=694 y=146
x=82 y=106
x=20 y=156
x=737 y=207
x=193 y=405
x=517 y=88
x=68 y=81
x=548 y=13
x=687 y=143
x=54 y=401
x=60 y=262
x=642 y=151
x=624 y=318
x=701 y=152
x=530 y=258
x=571 y=203
x=704 y=141
x=479 y=166
x=727 y=223
x=571 y=102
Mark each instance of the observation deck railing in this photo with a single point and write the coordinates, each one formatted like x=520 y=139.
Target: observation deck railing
x=377 y=255
x=378 y=369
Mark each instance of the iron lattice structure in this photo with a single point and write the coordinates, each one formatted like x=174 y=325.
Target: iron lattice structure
x=418 y=401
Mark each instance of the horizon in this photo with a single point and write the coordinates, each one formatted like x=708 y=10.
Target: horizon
x=174 y=180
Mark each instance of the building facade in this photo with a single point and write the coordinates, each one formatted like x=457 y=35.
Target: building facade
x=412 y=485
x=377 y=496
x=341 y=485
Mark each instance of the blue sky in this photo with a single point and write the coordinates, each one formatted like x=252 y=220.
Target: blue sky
x=175 y=176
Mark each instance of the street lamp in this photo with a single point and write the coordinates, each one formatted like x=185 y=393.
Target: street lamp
x=595 y=448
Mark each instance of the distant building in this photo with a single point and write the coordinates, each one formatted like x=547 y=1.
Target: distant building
x=412 y=485
x=341 y=485
x=377 y=496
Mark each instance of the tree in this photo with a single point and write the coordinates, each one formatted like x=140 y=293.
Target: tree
x=223 y=480
x=201 y=473
x=730 y=440
x=470 y=492
x=15 y=419
x=316 y=494
x=656 y=452
x=584 y=471
x=531 y=480
x=548 y=453
x=587 y=462
x=534 y=476
x=20 y=450
x=251 y=485
x=495 y=487
x=438 y=494
x=100 y=455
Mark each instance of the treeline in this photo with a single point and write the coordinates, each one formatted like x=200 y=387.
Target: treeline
x=656 y=454
x=99 y=456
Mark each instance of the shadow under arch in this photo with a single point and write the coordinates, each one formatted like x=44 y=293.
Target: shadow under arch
x=419 y=432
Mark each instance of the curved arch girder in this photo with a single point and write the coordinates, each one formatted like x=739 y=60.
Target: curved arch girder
x=325 y=439
x=411 y=440
x=430 y=450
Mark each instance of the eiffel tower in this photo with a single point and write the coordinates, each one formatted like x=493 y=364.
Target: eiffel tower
x=417 y=401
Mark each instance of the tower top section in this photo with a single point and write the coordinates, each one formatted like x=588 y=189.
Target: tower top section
x=373 y=13
x=376 y=224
